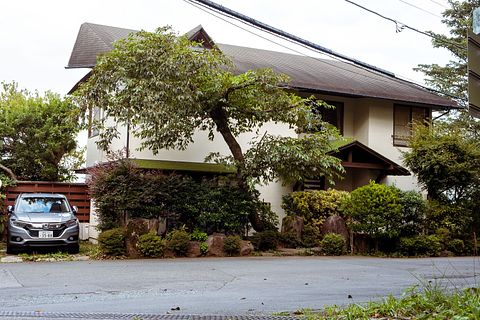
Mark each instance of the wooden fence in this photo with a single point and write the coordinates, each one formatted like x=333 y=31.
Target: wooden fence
x=76 y=193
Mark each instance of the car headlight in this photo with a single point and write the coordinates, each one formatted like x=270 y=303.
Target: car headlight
x=18 y=223
x=71 y=223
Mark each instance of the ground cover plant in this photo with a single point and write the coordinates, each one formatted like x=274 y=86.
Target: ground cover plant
x=431 y=303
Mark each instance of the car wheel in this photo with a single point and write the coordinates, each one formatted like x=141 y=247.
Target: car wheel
x=73 y=248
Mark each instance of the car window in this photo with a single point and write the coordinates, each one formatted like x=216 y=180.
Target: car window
x=42 y=205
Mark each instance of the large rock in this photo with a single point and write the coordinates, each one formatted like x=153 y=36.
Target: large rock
x=135 y=228
x=194 y=249
x=246 y=248
x=293 y=224
x=215 y=245
x=336 y=224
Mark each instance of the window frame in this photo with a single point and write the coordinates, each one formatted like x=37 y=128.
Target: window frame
x=397 y=139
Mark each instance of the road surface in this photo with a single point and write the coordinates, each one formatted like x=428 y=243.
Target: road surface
x=218 y=286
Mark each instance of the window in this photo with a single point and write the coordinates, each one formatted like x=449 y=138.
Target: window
x=94 y=119
x=333 y=116
x=403 y=118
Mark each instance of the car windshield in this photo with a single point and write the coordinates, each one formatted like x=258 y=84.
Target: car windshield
x=42 y=205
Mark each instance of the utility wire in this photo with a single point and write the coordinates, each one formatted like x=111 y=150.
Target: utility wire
x=439 y=4
x=403 y=79
x=400 y=26
x=419 y=8
x=209 y=11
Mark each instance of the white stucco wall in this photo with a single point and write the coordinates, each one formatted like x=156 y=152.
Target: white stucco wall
x=196 y=152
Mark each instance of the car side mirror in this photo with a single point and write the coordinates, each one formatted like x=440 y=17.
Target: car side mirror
x=75 y=209
x=9 y=209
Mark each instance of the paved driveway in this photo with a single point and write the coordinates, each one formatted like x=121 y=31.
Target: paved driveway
x=253 y=285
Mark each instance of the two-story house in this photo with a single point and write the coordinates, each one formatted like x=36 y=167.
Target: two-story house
x=374 y=110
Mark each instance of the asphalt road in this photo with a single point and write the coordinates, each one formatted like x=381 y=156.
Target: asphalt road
x=219 y=286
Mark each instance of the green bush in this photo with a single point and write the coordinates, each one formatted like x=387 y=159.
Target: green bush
x=310 y=236
x=231 y=245
x=375 y=210
x=314 y=206
x=333 y=244
x=289 y=239
x=112 y=242
x=151 y=245
x=421 y=245
x=198 y=235
x=413 y=209
x=203 y=248
x=178 y=241
x=457 y=246
x=451 y=217
x=266 y=240
x=121 y=190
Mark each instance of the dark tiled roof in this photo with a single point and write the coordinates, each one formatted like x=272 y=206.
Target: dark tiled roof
x=306 y=73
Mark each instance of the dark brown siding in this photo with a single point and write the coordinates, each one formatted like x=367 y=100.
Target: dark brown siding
x=76 y=193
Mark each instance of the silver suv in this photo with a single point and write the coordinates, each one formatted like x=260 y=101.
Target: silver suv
x=42 y=220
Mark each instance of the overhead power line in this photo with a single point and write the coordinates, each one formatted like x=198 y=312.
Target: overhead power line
x=419 y=8
x=287 y=35
x=401 y=26
x=209 y=6
x=439 y=4
x=209 y=11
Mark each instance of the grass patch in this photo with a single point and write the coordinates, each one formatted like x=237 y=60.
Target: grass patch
x=430 y=303
x=50 y=256
x=90 y=249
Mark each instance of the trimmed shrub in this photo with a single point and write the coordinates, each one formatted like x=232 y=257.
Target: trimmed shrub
x=421 y=245
x=333 y=244
x=266 y=240
x=452 y=217
x=112 y=242
x=310 y=236
x=289 y=239
x=151 y=245
x=178 y=241
x=375 y=210
x=413 y=212
x=314 y=206
x=231 y=245
x=198 y=235
x=457 y=246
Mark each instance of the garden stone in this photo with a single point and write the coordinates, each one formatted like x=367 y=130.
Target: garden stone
x=136 y=228
x=335 y=224
x=246 y=248
x=293 y=224
x=215 y=245
x=194 y=249
x=162 y=226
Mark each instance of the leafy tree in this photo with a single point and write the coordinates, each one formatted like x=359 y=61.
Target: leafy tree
x=446 y=161
x=36 y=134
x=452 y=78
x=168 y=88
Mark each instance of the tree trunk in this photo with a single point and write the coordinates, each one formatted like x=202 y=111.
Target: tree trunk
x=220 y=118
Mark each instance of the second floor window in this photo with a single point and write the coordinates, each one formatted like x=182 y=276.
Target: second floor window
x=403 y=118
x=333 y=116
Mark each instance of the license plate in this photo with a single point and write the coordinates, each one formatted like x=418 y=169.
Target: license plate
x=45 y=234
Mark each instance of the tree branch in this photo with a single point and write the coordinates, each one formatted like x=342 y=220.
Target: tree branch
x=9 y=172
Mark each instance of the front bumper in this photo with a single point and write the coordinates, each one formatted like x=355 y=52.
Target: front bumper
x=21 y=237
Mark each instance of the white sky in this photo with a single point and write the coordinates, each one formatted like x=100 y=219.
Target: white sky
x=36 y=37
